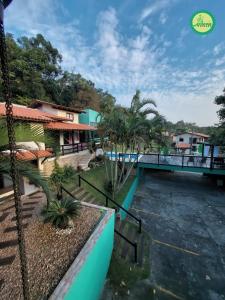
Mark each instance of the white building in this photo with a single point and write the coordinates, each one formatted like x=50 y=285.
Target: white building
x=189 y=142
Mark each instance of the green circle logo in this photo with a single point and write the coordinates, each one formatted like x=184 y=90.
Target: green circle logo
x=202 y=22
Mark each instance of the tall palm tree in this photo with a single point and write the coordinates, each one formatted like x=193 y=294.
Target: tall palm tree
x=138 y=105
x=126 y=129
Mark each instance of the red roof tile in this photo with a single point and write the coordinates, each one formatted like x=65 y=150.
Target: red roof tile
x=41 y=153
x=68 y=126
x=29 y=154
x=25 y=113
x=36 y=103
x=183 y=146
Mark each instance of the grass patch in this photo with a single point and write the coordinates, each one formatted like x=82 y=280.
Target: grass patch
x=97 y=177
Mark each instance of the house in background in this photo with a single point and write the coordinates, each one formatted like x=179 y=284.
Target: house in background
x=90 y=117
x=69 y=133
x=189 y=142
x=27 y=151
x=70 y=137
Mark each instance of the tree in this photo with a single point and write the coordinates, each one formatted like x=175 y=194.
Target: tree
x=138 y=104
x=125 y=129
x=217 y=135
x=34 y=64
x=220 y=100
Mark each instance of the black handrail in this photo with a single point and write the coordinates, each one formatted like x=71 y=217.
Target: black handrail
x=196 y=158
x=73 y=148
x=116 y=231
x=65 y=190
x=113 y=201
x=128 y=241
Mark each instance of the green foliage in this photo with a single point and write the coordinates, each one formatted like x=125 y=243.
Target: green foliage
x=27 y=170
x=36 y=73
x=61 y=176
x=220 y=100
x=126 y=129
x=61 y=213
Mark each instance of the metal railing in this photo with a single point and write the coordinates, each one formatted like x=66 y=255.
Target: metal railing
x=135 y=245
x=193 y=161
x=73 y=148
x=108 y=199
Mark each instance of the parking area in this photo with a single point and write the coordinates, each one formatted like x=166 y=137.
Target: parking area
x=184 y=213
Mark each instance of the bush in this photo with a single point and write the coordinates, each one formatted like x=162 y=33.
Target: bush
x=61 y=213
x=61 y=176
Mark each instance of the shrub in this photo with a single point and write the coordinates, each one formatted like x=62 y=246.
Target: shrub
x=61 y=176
x=61 y=213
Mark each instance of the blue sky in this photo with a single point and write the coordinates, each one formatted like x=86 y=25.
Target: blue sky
x=122 y=45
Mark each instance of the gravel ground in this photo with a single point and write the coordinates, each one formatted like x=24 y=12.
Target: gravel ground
x=49 y=252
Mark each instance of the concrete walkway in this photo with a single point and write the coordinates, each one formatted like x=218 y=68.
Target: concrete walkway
x=184 y=214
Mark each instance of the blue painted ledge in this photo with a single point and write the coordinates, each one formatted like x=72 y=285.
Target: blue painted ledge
x=129 y=198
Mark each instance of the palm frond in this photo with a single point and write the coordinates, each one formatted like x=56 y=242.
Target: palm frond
x=25 y=169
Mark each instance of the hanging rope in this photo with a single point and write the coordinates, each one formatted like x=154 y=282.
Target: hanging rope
x=12 y=148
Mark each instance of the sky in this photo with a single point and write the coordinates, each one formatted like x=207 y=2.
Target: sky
x=124 y=45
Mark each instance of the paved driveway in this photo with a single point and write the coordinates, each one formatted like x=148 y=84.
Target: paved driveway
x=185 y=215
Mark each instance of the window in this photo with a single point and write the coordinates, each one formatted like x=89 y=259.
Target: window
x=70 y=116
x=181 y=139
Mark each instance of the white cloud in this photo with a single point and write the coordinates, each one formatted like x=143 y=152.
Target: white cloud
x=219 y=48
x=155 y=7
x=220 y=61
x=163 y=18
x=120 y=64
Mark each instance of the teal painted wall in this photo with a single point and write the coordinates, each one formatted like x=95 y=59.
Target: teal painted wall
x=129 y=198
x=177 y=168
x=89 y=282
x=89 y=117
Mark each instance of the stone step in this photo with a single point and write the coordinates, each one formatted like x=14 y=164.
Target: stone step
x=8 y=208
x=90 y=198
x=27 y=216
x=14 y=228
x=30 y=203
x=83 y=196
x=4 y=216
x=4 y=261
x=80 y=194
x=10 y=243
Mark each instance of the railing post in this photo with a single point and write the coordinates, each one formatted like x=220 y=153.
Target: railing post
x=106 y=201
x=62 y=149
x=158 y=158
x=182 y=161
x=79 y=181
x=135 y=252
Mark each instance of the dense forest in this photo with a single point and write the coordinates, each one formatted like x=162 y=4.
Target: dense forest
x=36 y=73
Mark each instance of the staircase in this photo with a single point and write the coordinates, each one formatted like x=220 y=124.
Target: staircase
x=84 y=161
x=82 y=195
x=8 y=228
x=127 y=228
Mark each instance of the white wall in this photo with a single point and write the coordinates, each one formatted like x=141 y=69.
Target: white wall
x=59 y=112
x=186 y=138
